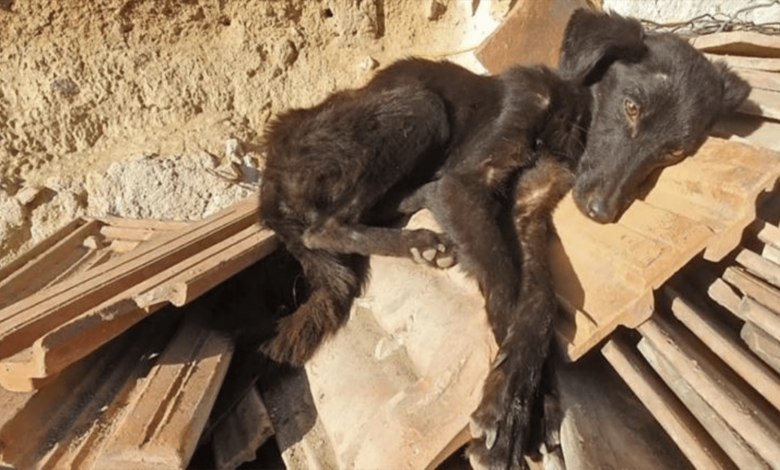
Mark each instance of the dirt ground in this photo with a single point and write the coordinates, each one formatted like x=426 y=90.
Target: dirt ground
x=155 y=108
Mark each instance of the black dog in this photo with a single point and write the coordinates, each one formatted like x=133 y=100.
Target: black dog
x=477 y=150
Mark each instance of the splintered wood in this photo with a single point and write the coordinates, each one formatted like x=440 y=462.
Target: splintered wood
x=605 y=274
x=76 y=291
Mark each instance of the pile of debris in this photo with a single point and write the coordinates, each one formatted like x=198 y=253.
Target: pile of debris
x=96 y=373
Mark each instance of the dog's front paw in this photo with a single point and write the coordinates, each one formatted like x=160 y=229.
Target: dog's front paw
x=500 y=425
x=434 y=249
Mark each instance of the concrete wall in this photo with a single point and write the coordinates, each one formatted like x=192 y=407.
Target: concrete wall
x=663 y=11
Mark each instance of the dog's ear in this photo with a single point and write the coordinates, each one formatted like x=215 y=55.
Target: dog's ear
x=735 y=88
x=594 y=40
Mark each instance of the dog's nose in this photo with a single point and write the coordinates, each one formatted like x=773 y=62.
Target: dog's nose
x=597 y=210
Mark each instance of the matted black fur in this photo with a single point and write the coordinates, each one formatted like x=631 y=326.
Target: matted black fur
x=487 y=155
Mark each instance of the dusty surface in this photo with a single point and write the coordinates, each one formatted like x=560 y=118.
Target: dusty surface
x=126 y=107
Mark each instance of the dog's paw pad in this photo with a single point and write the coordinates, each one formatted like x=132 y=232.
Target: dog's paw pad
x=431 y=248
x=416 y=257
x=445 y=262
x=429 y=254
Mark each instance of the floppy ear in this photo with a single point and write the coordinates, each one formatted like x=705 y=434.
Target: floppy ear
x=735 y=89
x=592 y=41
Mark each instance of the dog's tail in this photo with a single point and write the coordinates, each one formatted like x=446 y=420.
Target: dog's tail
x=334 y=282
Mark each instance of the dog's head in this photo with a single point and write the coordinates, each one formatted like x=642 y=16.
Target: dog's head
x=654 y=99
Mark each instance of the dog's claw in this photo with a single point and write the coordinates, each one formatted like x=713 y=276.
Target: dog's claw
x=441 y=247
x=490 y=438
x=445 y=263
x=429 y=254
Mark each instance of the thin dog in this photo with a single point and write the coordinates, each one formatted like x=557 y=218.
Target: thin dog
x=477 y=150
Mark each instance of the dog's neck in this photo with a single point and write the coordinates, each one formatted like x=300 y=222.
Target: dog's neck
x=566 y=130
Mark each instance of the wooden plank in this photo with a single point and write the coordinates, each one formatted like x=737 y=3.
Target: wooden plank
x=762 y=344
x=145 y=224
x=724 y=295
x=133 y=234
x=771 y=253
x=56 y=349
x=753 y=287
x=418 y=347
x=532 y=33
x=756 y=425
x=759 y=266
x=81 y=264
x=727 y=346
x=242 y=432
x=123 y=246
x=604 y=275
x=761 y=316
x=162 y=425
x=66 y=424
x=760 y=79
x=216 y=265
x=604 y=425
x=768 y=233
x=40 y=248
x=726 y=437
x=692 y=439
x=763 y=103
x=749 y=129
x=30 y=318
x=755 y=63
x=51 y=258
x=739 y=43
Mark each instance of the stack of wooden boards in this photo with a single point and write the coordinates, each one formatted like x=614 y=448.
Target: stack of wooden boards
x=77 y=392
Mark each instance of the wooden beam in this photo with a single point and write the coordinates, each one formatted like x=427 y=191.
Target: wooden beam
x=744 y=429
x=763 y=103
x=753 y=287
x=762 y=344
x=41 y=247
x=725 y=296
x=693 y=440
x=169 y=409
x=145 y=224
x=727 y=346
x=56 y=349
x=44 y=262
x=761 y=316
x=759 y=79
x=30 y=318
x=738 y=43
x=755 y=63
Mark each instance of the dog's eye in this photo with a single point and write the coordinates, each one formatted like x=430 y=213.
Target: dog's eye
x=631 y=108
x=675 y=155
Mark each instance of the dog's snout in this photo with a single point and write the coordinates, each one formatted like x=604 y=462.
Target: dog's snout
x=597 y=210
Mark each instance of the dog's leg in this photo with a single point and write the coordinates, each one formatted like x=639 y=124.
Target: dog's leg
x=419 y=199
x=468 y=211
x=421 y=245
x=334 y=280
x=501 y=424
